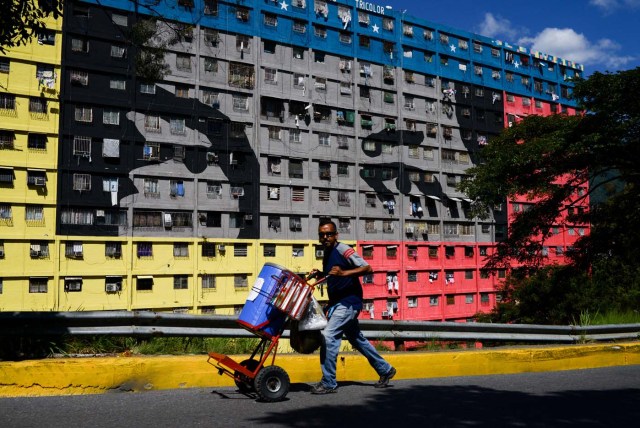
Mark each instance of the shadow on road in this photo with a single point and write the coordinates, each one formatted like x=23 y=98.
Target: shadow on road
x=468 y=406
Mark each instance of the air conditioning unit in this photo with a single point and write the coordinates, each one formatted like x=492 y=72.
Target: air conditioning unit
x=409 y=230
x=77 y=254
x=73 y=286
x=112 y=287
x=385 y=314
x=39 y=181
x=319 y=253
x=248 y=217
x=221 y=248
x=1 y=254
x=35 y=253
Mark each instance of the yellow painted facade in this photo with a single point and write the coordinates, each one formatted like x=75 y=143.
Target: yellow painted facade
x=77 y=280
x=30 y=87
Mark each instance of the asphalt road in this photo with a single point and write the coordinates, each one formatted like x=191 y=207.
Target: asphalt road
x=607 y=397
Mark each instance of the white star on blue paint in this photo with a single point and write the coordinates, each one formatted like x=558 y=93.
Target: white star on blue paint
x=375 y=28
x=284 y=5
x=516 y=64
x=453 y=48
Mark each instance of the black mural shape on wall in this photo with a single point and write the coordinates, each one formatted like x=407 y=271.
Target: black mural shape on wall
x=400 y=171
x=217 y=141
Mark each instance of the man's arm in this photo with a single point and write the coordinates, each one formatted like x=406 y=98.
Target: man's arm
x=357 y=271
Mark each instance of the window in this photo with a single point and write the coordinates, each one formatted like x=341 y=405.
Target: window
x=151 y=151
x=113 y=250
x=295 y=223
x=6 y=175
x=295 y=169
x=118 y=51
x=273 y=193
x=7 y=102
x=46 y=37
x=270 y=20
x=148 y=88
x=182 y=91
x=208 y=282
x=5 y=212
x=298 y=52
x=344 y=199
x=240 y=250
x=240 y=280
x=34 y=213
x=208 y=249
x=271 y=76
x=38 y=285
x=344 y=37
x=183 y=62
x=79 y=77
x=152 y=123
x=299 y=26
x=392 y=251
x=39 y=249
x=38 y=105
x=145 y=249
x=434 y=300
x=180 y=282
x=343 y=141
x=81 y=182
x=5 y=65
x=6 y=139
x=297 y=194
x=243 y=43
x=110 y=117
x=144 y=283
x=79 y=45
x=211 y=7
x=364 y=41
x=177 y=126
x=83 y=114
x=412 y=302
x=73 y=249
x=180 y=249
x=324 y=139
x=240 y=103
x=269 y=250
x=82 y=146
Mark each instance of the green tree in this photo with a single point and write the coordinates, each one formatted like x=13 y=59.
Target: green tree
x=546 y=159
x=20 y=20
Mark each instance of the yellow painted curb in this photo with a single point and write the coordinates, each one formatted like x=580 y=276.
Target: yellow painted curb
x=69 y=376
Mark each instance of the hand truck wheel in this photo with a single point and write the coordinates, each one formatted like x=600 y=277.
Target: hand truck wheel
x=243 y=382
x=272 y=383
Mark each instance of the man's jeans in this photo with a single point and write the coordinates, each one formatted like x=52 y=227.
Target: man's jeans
x=344 y=319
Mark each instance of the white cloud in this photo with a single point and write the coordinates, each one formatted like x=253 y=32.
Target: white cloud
x=498 y=27
x=609 y=6
x=567 y=44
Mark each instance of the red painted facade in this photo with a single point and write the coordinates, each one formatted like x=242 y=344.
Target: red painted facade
x=444 y=281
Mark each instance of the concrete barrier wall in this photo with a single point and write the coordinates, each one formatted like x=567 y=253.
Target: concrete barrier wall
x=69 y=376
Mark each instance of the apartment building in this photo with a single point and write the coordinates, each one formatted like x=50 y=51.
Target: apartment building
x=172 y=193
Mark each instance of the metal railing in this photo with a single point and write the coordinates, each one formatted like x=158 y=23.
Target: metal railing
x=147 y=324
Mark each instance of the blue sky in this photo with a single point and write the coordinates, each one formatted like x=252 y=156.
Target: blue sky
x=603 y=35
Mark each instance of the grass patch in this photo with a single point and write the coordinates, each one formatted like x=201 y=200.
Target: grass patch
x=616 y=317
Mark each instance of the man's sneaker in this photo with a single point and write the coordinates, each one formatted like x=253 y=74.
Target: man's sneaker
x=384 y=379
x=319 y=389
